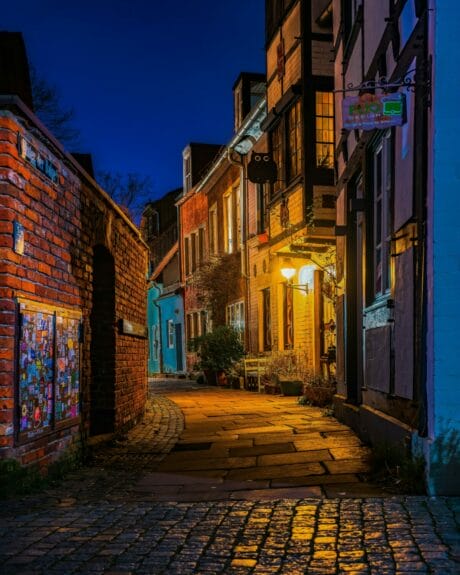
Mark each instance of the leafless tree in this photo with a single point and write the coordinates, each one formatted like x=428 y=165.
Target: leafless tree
x=130 y=191
x=49 y=109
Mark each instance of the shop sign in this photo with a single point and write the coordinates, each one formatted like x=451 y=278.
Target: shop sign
x=374 y=111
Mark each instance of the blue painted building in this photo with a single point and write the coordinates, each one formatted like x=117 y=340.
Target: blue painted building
x=442 y=444
x=165 y=300
x=167 y=331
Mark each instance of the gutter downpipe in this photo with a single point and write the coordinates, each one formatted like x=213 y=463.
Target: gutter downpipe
x=160 y=339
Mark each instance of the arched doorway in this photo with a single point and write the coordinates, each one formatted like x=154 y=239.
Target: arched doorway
x=102 y=321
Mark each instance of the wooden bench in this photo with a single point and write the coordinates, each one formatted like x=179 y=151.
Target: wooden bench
x=254 y=370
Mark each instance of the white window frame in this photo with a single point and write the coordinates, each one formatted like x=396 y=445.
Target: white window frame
x=171 y=332
x=235 y=316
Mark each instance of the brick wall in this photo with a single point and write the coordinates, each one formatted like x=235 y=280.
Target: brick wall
x=64 y=216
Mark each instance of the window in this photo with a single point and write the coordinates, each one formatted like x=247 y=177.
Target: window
x=171 y=332
x=382 y=216
x=195 y=324
x=187 y=167
x=276 y=143
x=187 y=255
x=48 y=368
x=324 y=130
x=235 y=317
x=236 y=194
x=294 y=141
x=288 y=316
x=266 y=320
x=261 y=208
x=153 y=225
x=228 y=218
x=204 y=322
x=213 y=230
x=350 y=10
x=200 y=246
x=193 y=251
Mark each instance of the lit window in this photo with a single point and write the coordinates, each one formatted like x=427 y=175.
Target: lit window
x=266 y=318
x=324 y=130
x=276 y=140
x=228 y=215
x=288 y=316
x=294 y=141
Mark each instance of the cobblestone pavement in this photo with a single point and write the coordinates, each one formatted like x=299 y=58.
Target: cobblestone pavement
x=95 y=522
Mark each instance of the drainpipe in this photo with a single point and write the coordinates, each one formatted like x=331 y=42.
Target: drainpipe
x=243 y=232
x=160 y=347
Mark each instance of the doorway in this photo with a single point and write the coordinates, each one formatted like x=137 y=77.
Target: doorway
x=102 y=322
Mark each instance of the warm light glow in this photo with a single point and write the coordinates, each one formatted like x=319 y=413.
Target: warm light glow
x=306 y=276
x=287 y=269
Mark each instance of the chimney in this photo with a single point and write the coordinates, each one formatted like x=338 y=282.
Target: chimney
x=14 y=68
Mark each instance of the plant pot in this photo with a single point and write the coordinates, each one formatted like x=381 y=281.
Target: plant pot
x=211 y=376
x=290 y=386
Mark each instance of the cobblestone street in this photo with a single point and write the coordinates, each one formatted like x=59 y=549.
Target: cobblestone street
x=205 y=494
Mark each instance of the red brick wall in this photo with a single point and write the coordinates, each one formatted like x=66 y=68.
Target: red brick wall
x=62 y=223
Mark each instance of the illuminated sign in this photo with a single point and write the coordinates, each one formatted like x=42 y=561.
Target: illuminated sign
x=374 y=111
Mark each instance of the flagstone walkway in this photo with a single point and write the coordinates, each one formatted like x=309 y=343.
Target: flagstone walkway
x=238 y=444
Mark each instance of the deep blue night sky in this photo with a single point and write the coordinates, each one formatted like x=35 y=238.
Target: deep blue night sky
x=145 y=77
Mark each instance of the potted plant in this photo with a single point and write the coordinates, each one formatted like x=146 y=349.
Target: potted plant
x=287 y=373
x=218 y=352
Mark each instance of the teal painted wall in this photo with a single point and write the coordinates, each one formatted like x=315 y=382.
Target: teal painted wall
x=172 y=350
x=153 y=324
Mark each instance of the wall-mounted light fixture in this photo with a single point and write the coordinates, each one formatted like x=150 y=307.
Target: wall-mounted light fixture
x=306 y=276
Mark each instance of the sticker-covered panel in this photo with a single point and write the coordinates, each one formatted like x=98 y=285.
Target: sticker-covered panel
x=36 y=367
x=67 y=368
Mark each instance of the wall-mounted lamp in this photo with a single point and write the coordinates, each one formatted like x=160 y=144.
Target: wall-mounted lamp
x=306 y=276
x=287 y=269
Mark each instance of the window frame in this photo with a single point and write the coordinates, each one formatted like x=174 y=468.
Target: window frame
x=170 y=333
x=294 y=147
x=277 y=139
x=382 y=194
x=235 y=317
x=266 y=320
x=321 y=139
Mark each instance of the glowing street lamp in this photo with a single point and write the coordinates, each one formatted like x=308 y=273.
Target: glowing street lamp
x=287 y=269
x=306 y=280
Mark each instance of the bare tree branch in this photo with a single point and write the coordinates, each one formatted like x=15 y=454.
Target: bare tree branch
x=48 y=108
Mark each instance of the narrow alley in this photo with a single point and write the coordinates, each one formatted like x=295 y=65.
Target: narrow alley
x=227 y=481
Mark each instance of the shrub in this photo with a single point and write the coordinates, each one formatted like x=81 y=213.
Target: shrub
x=219 y=350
